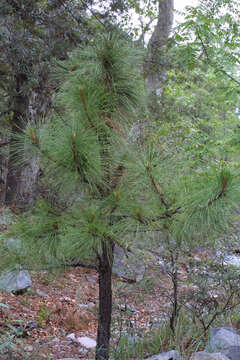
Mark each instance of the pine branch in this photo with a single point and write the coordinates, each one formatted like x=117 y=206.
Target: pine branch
x=157 y=188
x=33 y=137
x=117 y=177
x=75 y=155
x=35 y=142
x=140 y=219
x=221 y=194
x=82 y=97
x=60 y=116
x=167 y=214
x=113 y=126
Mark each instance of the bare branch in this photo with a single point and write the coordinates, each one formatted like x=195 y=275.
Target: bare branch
x=205 y=50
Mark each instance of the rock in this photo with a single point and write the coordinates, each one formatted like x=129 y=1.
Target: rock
x=7 y=216
x=82 y=351
x=233 y=352
x=41 y=293
x=90 y=305
x=72 y=337
x=232 y=260
x=91 y=279
x=203 y=355
x=127 y=267
x=170 y=355
x=222 y=338
x=83 y=306
x=31 y=325
x=53 y=341
x=15 y=281
x=87 y=342
x=127 y=308
x=29 y=348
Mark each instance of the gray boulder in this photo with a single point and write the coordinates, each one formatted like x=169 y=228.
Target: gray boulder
x=87 y=342
x=15 y=281
x=170 y=355
x=203 y=355
x=233 y=352
x=127 y=266
x=222 y=338
x=7 y=216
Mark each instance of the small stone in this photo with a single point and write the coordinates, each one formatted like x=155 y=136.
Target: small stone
x=31 y=325
x=41 y=293
x=197 y=258
x=87 y=306
x=72 y=337
x=83 y=306
x=90 y=279
x=170 y=355
x=87 y=342
x=203 y=355
x=69 y=359
x=29 y=348
x=55 y=339
x=82 y=351
x=90 y=305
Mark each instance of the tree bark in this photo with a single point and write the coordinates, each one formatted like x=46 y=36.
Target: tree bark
x=20 y=104
x=157 y=61
x=105 y=301
x=31 y=107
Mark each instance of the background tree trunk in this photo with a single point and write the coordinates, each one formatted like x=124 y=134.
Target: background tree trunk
x=20 y=105
x=157 y=59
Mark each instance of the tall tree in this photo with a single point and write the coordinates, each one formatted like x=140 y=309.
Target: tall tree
x=157 y=57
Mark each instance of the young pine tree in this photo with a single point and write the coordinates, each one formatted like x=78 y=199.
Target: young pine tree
x=83 y=151
x=106 y=188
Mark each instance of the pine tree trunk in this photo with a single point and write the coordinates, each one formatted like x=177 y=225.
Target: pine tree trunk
x=105 y=302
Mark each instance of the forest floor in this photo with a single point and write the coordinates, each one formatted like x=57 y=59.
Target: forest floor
x=64 y=303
